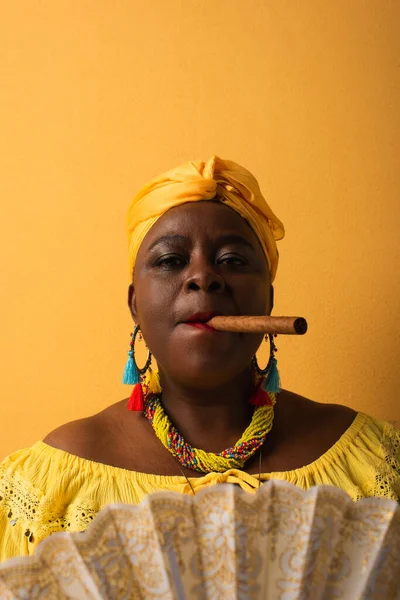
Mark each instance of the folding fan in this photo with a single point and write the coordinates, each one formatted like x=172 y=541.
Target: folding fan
x=280 y=543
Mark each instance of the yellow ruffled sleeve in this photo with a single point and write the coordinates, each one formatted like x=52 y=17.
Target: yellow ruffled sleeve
x=364 y=462
x=44 y=490
x=18 y=504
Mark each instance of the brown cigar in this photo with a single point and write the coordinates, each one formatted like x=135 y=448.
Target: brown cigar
x=285 y=325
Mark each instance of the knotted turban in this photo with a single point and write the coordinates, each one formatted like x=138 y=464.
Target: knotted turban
x=222 y=180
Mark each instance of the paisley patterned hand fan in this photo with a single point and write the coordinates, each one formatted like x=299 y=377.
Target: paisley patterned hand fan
x=280 y=543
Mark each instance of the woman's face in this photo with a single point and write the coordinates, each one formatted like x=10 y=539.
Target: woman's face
x=200 y=259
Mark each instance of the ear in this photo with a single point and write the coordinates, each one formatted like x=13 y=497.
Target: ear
x=272 y=297
x=132 y=302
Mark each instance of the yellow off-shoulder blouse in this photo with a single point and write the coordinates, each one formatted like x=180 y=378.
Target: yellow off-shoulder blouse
x=43 y=489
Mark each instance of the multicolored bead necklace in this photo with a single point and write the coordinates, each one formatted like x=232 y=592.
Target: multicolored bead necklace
x=206 y=462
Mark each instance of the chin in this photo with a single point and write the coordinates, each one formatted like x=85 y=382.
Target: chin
x=208 y=374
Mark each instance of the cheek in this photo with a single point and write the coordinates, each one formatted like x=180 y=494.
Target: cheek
x=154 y=304
x=254 y=297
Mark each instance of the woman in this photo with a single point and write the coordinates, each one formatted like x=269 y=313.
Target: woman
x=202 y=242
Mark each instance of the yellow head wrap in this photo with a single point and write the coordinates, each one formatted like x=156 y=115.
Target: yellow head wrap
x=194 y=181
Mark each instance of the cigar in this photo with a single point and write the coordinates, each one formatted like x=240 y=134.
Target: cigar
x=281 y=325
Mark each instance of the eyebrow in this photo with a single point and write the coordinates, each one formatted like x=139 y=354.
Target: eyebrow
x=169 y=238
x=230 y=238
x=234 y=238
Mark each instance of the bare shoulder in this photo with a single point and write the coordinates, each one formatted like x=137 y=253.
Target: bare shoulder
x=82 y=436
x=304 y=430
x=325 y=421
x=71 y=437
x=305 y=410
x=115 y=436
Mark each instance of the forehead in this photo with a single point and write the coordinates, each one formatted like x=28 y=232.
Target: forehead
x=209 y=218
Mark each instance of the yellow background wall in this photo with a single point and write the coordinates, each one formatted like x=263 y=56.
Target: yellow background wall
x=98 y=96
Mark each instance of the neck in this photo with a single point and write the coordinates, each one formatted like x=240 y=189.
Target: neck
x=210 y=419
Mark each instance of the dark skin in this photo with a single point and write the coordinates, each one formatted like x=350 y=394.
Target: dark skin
x=202 y=257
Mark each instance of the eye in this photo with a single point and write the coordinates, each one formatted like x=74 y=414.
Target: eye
x=232 y=260
x=170 y=261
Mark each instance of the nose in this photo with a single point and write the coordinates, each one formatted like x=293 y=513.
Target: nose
x=202 y=277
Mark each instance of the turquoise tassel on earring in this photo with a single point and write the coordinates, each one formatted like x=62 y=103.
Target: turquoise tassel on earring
x=272 y=382
x=131 y=373
x=132 y=377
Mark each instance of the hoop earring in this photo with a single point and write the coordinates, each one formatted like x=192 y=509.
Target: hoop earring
x=133 y=374
x=271 y=382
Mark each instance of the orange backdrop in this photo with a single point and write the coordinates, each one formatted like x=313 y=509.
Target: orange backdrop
x=99 y=96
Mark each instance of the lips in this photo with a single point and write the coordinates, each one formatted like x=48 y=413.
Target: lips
x=199 y=320
x=201 y=317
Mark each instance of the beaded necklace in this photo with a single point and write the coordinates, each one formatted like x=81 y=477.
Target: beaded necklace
x=206 y=462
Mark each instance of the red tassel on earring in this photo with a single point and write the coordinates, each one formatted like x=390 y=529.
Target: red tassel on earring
x=260 y=397
x=136 y=401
